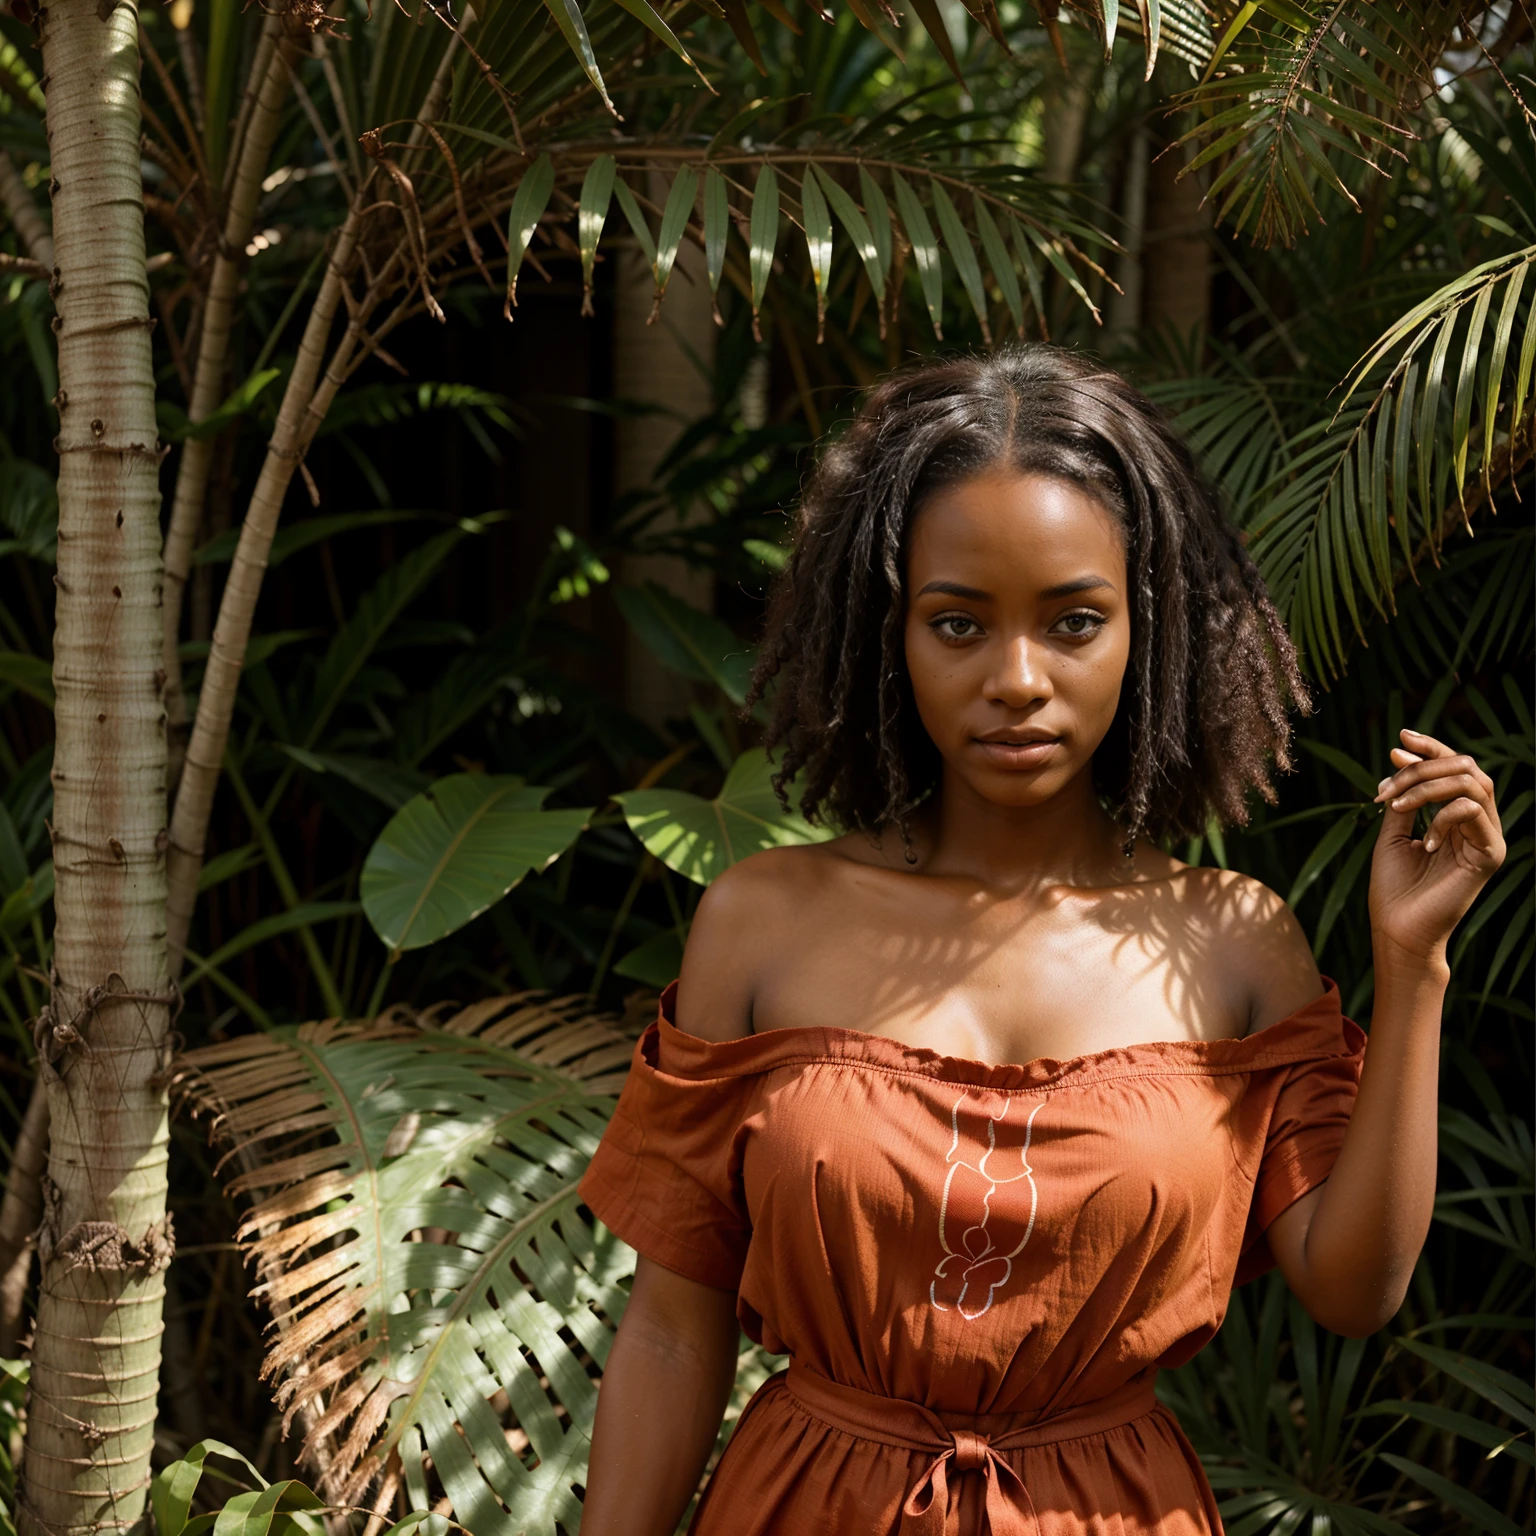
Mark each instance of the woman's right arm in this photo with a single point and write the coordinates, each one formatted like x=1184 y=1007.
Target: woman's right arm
x=664 y=1392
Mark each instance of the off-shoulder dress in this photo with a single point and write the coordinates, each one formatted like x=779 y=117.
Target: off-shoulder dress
x=976 y=1271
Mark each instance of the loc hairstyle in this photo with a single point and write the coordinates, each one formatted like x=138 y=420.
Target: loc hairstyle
x=1212 y=672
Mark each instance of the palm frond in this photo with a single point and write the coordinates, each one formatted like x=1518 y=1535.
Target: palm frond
x=1299 y=92
x=438 y=1293
x=1370 y=494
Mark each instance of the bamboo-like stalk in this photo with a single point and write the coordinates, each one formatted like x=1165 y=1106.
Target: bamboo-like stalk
x=296 y=423
x=212 y=359
x=24 y=212
x=105 y=1239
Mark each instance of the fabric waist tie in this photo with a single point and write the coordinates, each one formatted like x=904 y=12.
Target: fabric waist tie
x=932 y=1505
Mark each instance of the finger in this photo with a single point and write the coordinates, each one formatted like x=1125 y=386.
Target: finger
x=1467 y=815
x=1434 y=768
x=1425 y=746
x=1440 y=790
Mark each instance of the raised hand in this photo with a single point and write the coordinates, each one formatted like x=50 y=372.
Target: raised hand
x=1421 y=887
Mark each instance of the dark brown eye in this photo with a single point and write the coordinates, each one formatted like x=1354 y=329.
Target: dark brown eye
x=956 y=626
x=1080 y=623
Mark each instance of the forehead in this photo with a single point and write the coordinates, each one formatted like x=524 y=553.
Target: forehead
x=1014 y=528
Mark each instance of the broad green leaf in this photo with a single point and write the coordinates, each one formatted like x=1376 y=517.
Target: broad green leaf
x=27 y=900
x=964 y=256
x=1357 y=773
x=175 y=427
x=529 y=203
x=30 y=674
x=225 y=866
x=674 y=224
x=774 y=556
x=13 y=861
x=764 y=232
x=172 y=1491
x=457 y=849
x=858 y=229
x=1480 y=1432
x=717 y=223
x=294 y=537
x=636 y=218
x=1506 y=1392
x=436 y=1222
x=701 y=839
x=653 y=23
x=818 y=240
x=655 y=962
x=690 y=642
x=29 y=508
x=925 y=248
x=1328 y=847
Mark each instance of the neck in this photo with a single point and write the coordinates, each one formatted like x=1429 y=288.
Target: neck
x=1067 y=840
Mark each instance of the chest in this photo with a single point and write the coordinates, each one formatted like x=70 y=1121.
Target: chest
x=985 y=1194
x=1002 y=983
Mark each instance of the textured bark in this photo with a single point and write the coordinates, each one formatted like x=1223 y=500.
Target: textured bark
x=208 y=380
x=20 y=1213
x=1176 y=250
x=105 y=1239
x=24 y=213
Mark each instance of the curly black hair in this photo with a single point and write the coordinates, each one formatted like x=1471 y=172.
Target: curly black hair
x=1212 y=671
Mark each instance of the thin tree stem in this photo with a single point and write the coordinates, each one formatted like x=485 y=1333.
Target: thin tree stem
x=24 y=212
x=208 y=379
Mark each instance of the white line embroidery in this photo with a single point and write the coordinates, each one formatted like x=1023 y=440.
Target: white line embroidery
x=974 y=1261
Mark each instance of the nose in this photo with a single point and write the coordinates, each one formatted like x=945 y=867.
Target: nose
x=1020 y=677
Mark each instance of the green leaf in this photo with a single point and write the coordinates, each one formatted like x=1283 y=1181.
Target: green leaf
x=818 y=240
x=238 y=403
x=695 y=644
x=1357 y=774
x=764 y=232
x=701 y=839
x=438 y=1224
x=1478 y=1431
x=171 y=1493
x=1478 y=1512
x=529 y=203
x=637 y=222
x=29 y=508
x=591 y=215
x=655 y=962
x=964 y=256
x=568 y=18
x=27 y=900
x=225 y=866
x=387 y=782
x=1507 y=1393
x=30 y=674
x=377 y=611
x=1322 y=855
x=997 y=258
x=457 y=849
x=305 y=915
x=674 y=225
x=653 y=23
x=925 y=248
x=879 y=213
x=858 y=229
x=774 y=556
x=294 y=537
x=717 y=224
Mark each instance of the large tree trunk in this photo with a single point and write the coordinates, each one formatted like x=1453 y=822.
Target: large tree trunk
x=1176 y=251
x=105 y=1238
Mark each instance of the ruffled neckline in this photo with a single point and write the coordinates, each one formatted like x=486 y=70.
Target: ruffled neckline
x=1315 y=1031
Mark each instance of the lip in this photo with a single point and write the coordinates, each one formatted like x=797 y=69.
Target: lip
x=1024 y=749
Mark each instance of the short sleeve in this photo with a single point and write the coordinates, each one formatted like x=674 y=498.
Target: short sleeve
x=1306 y=1126
x=667 y=1174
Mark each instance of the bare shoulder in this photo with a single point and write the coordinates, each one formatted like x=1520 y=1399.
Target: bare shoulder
x=1256 y=940
x=743 y=921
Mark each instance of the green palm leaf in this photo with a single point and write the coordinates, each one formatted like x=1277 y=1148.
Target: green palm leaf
x=438 y=1292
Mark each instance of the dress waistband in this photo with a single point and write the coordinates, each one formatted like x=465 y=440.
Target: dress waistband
x=932 y=1505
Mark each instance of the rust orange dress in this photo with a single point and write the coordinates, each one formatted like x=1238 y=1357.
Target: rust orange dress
x=976 y=1271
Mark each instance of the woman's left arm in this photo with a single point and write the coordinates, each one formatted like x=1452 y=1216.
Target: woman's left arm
x=1348 y=1249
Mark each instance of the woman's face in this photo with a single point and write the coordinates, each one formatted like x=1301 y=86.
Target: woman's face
x=1018 y=630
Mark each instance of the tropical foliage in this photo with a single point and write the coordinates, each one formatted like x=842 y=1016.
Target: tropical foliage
x=408 y=763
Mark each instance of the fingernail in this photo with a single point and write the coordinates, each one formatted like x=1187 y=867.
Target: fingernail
x=1382 y=785
x=1397 y=804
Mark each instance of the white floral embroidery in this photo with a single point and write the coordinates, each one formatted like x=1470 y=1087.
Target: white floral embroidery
x=975 y=1263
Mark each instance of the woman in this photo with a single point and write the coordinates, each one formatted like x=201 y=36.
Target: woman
x=979 y=1110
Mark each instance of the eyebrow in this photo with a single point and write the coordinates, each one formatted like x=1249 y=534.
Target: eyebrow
x=976 y=595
